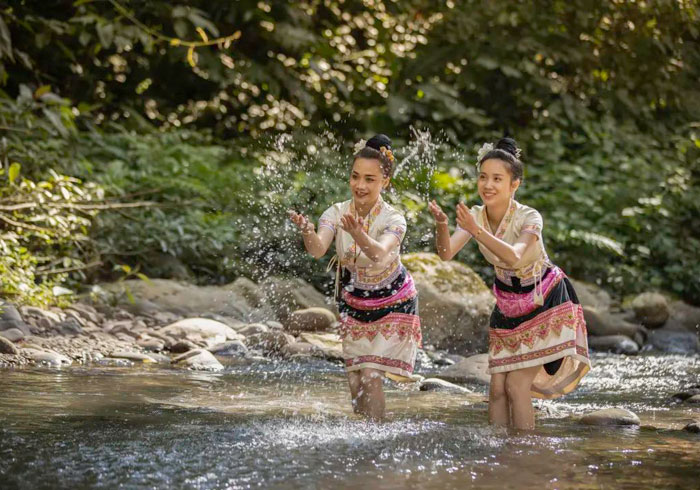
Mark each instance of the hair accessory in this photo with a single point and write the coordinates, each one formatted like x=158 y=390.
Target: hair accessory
x=359 y=145
x=485 y=148
x=387 y=153
x=517 y=153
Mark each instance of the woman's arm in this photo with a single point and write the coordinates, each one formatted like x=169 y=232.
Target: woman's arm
x=315 y=243
x=447 y=246
x=510 y=254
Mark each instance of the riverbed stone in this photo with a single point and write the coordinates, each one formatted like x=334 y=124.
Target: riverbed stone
x=603 y=323
x=132 y=356
x=298 y=349
x=200 y=360
x=287 y=295
x=618 y=344
x=113 y=362
x=11 y=318
x=674 y=342
x=232 y=348
x=151 y=344
x=45 y=357
x=330 y=344
x=13 y=334
x=455 y=303
x=201 y=328
x=253 y=328
x=693 y=400
x=611 y=416
x=473 y=369
x=591 y=295
x=436 y=384
x=651 y=309
x=683 y=317
x=313 y=319
x=182 y=346
x=271 y=342
x=7 y=347
x=693 y=427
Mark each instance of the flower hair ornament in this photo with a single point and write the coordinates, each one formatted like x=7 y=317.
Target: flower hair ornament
x=359 y=146
x=485 y=148
x=387 y=153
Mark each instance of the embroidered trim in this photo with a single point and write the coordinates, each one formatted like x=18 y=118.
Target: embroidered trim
x=327 y=223
x=534 y=229
x=538 y=354
x=362 y=280
x=394 y=324
x=384 y=361
x=551 y=321
x=398 y=231
x=406 y=292
x=519 y=304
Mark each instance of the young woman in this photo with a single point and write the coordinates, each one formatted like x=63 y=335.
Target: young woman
x=537 y=334
x=376 y=296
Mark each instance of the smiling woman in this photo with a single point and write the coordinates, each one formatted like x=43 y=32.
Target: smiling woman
x=378 y=302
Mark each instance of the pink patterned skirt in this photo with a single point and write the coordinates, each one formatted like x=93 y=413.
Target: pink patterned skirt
x=380 y=327
x=553 y=335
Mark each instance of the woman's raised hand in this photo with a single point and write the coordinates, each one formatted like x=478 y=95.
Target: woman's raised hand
x=465 y=220
x=301 y=221
x=437 y=212
x=352 y=225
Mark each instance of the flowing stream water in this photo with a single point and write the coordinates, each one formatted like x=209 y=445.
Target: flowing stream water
x=284 y=425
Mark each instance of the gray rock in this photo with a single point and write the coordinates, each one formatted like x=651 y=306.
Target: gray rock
x=7 y=347
x=611 y=416
x=46 y=357
x=674 y=342
x=455 y=304
x=201 y=328
x=473 y=369
x=87 y=312
x=601 y=324
x=693 y=400
x=619 y=344
x=10 y=318
x=182 y=346
x=271 y=342
x=299 y=349
x=310 y=320
x=13 y=334
x=132 y=356
x=591 y=295
x=113 y=362
x=684 y=317
x=200 y=360
x=233 y=348
x=288 y=295
x=330 y=344
x=274 y=325
x=693 y=427
x=151 y=344
x=253 y=328
x=436 y=384
x=651 y=309
x=687 y=393
x=69 y=326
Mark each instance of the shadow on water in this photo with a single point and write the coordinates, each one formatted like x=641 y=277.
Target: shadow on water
x=289 y=426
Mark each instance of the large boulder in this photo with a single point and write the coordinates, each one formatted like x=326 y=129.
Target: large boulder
x=7 y=347
x=10 y=318
x=603 y=323
x=289 y=295
x=591 y=295
x=651 y=309
x=454 y=303
x=674 y=342
x=683 y=317
x=330 y=344
x=611 y=416
x=310 y=320
x=198 y=359
x=473 y=369
x=619 y=344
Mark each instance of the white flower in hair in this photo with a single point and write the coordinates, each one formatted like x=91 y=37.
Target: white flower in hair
x=359 y=145
x=485 y=148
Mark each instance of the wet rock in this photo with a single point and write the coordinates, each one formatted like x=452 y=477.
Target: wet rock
x=455 y=304
x=693 y=427
x=132 y=356
x=70 y=326
x=473 y=369
x=440 y=358
x=274 y=325
x=298 y=349
x=7 y=347
x=330 y=344
x=683 y=317
x=602 y=323
x=182 y=346
x=674 y=342
x=113 y=362
x=234 y=348
x=87 y=312
x=260 y=307
x=591 y=295
x=151 y=344
x=45 y=357
x=686 y=393
x=651 y=309
x=611 y=416
x=253 y=328
x=436 y=384
x=144 y=307
x=289 y=295
x=271 y=342
x=693 y=400
x=13 y=334
x=10 y=318
x=199 y=359
x=159 y=358
x=310 y=320
x=618 y=344
x=192 y=328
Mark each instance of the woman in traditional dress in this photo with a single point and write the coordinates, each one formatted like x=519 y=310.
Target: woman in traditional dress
x=537 y=335
x=377 y=298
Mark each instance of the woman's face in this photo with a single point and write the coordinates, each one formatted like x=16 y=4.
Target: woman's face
x=367 y=181
x=496 y=185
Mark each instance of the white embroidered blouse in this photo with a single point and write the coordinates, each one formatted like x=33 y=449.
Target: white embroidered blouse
x=382 y=219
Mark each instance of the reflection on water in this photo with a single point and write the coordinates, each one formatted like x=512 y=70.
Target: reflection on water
x=289 y=426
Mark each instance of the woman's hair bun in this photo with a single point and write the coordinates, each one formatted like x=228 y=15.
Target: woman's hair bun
x=379 y=140
x=509 y=145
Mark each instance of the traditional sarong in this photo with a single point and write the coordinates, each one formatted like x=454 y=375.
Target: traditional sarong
x=380 y=327
x=523 y=334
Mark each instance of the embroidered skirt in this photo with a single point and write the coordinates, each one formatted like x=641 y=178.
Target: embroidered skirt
x=380 y=327
x=553 y=335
